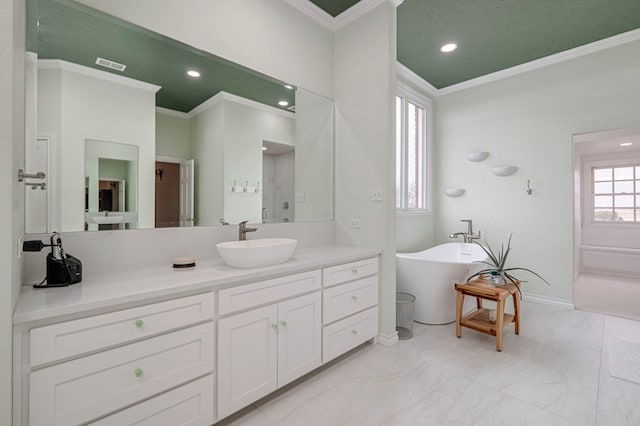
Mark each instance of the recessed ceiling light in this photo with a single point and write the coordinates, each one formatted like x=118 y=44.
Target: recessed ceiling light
x=449 y=47
x=626 y=144
x=193 y=73
x=288 y=86
x=283 y=103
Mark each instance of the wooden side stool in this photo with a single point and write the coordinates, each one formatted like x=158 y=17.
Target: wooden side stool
x=479 y=319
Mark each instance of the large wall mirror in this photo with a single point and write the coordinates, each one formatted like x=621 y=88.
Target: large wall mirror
x=135 y=130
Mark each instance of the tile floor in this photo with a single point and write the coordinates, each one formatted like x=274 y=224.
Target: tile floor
x=554 y=373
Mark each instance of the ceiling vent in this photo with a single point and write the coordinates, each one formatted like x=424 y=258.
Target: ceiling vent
x=110 y=64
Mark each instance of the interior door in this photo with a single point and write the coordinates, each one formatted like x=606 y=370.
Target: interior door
x=186 y=193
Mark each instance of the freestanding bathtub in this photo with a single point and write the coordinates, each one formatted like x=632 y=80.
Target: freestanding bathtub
x=430 y=275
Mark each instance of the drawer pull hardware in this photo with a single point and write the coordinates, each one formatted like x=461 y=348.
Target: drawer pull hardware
x=138 y=372
x=354 y=270
x=354 y=331
x=139 y=323
x=274 y=326
x=283 y=323
x=354 y=297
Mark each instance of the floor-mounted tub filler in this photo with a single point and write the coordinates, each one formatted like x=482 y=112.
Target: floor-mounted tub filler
x=430 y=275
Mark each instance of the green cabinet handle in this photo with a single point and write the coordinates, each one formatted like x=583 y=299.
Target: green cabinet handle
x=283 y=323
x=138 y=372
x=354 y=331
x=354 y=297
x=274 y=326
x=139 y=323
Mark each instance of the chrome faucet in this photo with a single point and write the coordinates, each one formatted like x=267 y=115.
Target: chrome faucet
x=242 y=230
x=468 y=236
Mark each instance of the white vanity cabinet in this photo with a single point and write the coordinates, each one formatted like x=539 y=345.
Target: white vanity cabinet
x=87 y=369
x=262 y=349
x=350 y=311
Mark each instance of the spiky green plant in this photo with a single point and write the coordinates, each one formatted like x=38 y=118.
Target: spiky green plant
x=497 y=263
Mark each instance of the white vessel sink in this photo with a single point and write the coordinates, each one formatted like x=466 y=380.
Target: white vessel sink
x=107 y=220
x=256 y=253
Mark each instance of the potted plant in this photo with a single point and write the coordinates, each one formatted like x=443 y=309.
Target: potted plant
x=499 y=274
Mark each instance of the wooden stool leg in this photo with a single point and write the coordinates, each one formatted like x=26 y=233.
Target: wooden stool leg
x=479 y=302
x=499 y=324
x=459 y=303
x=516 y=308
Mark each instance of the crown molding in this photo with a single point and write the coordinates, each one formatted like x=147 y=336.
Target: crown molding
x=414 y=80
x=224 y=96
x=576 y=52
x=171 y=112
x=313 y=11
x=345 y=18
x=53 y=64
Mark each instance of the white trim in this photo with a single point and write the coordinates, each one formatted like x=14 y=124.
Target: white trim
x=355 y=12
x=47 y=64
x=561 y=303
x=224 y=96
x=387 y=340
x=313 y=11
x=411 y=78
x=30 y=57
x=576 y=52
x=171 y=112
x=169 y=159
x=343 y=19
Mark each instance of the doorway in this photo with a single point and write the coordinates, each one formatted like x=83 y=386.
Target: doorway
x=607 y=222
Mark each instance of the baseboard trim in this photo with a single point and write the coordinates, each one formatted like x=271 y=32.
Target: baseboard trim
x=387 y=340
x=548 y=301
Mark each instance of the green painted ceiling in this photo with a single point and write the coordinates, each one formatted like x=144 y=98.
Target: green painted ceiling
x=74 y=33
x=334 y=7
x=493 y=35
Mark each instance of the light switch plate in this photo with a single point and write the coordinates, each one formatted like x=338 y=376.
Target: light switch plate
x=355 y=223
x=376 y=194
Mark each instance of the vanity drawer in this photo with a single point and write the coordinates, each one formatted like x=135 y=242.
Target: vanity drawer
x=348 y=333
x=84 y=389
x=349 y=271
x=188 y=405
x=346 y=299
x=251 y=295
x=72 y=338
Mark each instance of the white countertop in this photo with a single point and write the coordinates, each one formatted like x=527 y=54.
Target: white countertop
x=111 y=290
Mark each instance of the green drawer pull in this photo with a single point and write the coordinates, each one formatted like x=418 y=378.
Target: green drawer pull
x=138 y=372
x=354 y=297
x=274 y=326
x=139 y=323
x=283 y=323
x=354 y=331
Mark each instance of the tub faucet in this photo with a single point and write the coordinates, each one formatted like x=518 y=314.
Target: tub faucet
x=468 y=236
x=242 y=230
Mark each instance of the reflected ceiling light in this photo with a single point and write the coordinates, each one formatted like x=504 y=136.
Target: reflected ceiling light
x=449 y=47
x=626 y=144
x=193 y=73
x=288 y=86
x=283 y=103
x=264 y=148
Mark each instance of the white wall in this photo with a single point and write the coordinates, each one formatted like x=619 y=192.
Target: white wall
x=12 y=134
x=364 y=67
x=206 y=133
x=93 y=108
x=172 y=135
x=268 y=36
x=314 y=128
x=528 y=121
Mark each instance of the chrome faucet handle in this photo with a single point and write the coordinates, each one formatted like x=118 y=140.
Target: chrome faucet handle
x=243 y=223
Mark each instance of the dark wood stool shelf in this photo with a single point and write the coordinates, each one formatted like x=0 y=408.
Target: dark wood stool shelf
x=479 y=319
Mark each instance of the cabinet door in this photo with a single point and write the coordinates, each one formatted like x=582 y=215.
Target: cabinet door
x=299 y=337
x=247 y=358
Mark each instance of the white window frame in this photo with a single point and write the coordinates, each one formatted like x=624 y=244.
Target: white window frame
x=409 y=94
x=587 y=189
